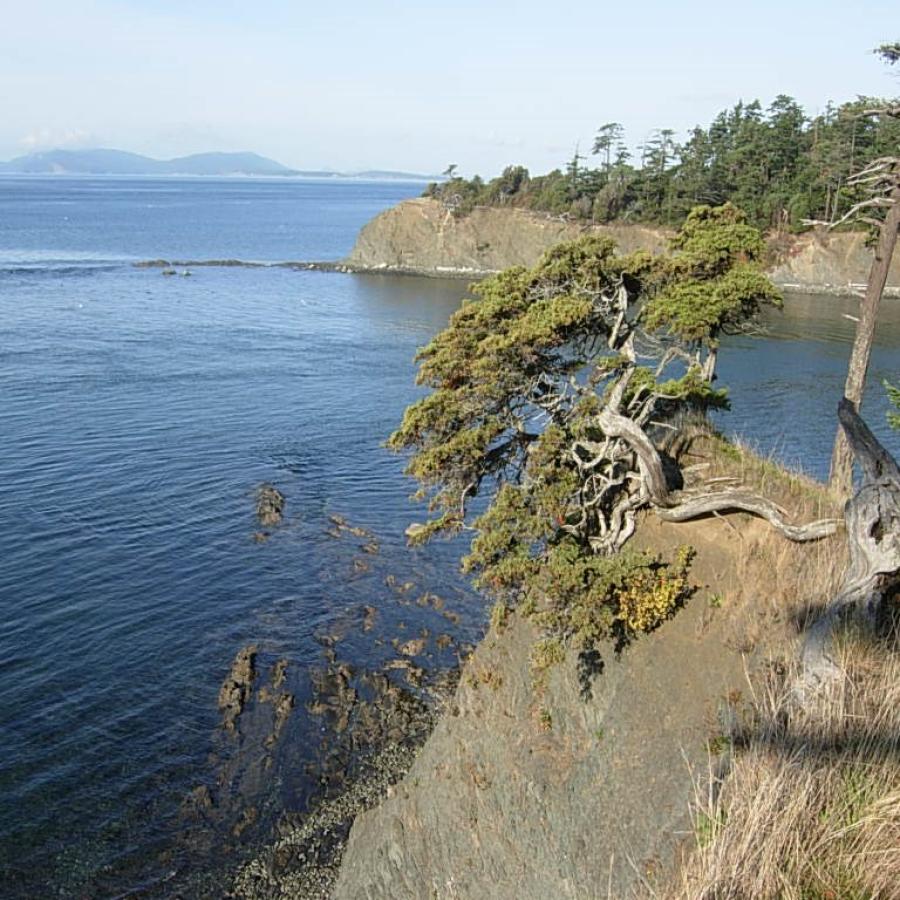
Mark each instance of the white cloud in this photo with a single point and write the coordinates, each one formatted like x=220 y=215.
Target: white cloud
x=53 y=138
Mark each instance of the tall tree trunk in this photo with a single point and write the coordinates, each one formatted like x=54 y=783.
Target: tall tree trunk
x=841 y=480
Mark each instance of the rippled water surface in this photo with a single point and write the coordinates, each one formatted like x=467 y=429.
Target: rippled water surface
x=138 y=414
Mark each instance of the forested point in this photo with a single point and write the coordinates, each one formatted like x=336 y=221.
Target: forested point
x=782 y=167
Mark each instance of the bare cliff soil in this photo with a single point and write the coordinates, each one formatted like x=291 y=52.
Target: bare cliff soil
x=583 y=786
x=421 y=236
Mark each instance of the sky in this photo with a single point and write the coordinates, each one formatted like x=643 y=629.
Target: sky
x=414 y=86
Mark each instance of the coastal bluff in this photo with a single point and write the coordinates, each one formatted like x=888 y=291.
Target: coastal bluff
x=582 y=788
x=423 y=237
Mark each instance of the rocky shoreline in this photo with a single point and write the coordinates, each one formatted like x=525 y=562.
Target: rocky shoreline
x=360 y=726
x=420 y=238
x=303 y=860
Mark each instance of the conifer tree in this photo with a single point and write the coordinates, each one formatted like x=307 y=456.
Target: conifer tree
x=548 y=395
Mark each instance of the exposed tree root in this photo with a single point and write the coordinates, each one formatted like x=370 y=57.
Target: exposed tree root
x=674 y=507
x=730 y=501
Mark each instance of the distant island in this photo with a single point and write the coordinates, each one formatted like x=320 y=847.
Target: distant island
x=120 y=162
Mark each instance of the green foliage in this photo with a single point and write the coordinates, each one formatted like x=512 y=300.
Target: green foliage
x=547 y=653
x=779 y=165
x=714 y=282
x=462 y=195
x=499 y=615
x=520 y=381
x=894 y=398
x=890 y=53
x=583 y=599
x=690 y=390
x=858 y=791
x=481 y=366
x=707 y=828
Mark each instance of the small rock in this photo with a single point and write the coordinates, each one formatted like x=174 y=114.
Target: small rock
x=414 y=647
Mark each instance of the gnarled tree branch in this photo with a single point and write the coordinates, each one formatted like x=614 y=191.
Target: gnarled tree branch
x=672 y=507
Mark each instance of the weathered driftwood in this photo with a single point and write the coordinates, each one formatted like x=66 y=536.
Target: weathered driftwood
x=873 y=533
x=678 y=507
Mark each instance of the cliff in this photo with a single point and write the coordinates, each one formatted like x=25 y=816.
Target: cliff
x=531 y=792
x=420 y=236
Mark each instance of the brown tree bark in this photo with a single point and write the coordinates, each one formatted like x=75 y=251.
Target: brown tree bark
x=841 y=480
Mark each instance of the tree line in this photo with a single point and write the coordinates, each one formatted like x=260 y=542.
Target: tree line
x=782 y=167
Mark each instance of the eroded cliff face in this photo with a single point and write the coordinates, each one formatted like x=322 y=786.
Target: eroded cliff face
x=837 y=262
x=421 y=236
x=525 y=793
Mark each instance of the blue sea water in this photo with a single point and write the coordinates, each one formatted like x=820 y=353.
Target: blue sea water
x=138 y=415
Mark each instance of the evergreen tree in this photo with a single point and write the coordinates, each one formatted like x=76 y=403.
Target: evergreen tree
x=540 y=405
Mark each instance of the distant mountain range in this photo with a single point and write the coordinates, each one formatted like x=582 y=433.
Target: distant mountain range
x=120 y=162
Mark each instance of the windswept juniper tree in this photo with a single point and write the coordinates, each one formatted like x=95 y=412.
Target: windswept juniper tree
x=551 y=396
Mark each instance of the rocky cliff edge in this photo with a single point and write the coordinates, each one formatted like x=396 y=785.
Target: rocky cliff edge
x=421 y=236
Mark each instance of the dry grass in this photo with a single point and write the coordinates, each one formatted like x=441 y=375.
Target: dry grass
x=809 y=805
x=805 y=803
x=779 y=587
x=737 y=465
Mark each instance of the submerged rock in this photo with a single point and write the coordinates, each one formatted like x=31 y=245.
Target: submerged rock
x=283 y=706
x=248 y=818
x=269 y=504
x=341 y=525
x=279 y=673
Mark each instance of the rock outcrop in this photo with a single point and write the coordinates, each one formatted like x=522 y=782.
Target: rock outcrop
x=421 y=236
